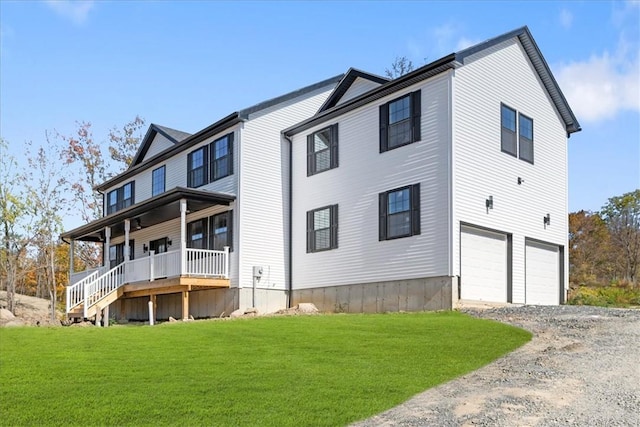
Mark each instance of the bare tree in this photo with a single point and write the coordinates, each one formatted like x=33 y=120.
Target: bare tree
x=400 y=66
x=125 y=142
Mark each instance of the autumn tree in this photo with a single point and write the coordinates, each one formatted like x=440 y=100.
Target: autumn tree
x=589 y=249
x=125 y=143
x=400 y=66
x=622 y=215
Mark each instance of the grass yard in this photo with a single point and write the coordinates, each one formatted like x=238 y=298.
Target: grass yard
x=279 y=371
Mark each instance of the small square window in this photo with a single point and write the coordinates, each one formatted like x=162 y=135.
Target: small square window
x=400 y=121
x=400 y=212
x=322 y=229
x=322 y=150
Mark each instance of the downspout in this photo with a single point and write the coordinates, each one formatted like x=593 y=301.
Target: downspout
x=290 y=254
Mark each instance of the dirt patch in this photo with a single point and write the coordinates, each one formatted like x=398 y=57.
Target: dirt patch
x=30 y=311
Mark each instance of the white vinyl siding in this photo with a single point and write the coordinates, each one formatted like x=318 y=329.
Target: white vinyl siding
x=503 y=74
x=357 y=88
x=263 y=189
x=159 y=144
x=355 y=186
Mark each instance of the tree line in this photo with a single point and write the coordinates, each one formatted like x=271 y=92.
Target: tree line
x=58 y=179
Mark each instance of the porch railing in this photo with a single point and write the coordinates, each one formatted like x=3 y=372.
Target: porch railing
x=99 y=283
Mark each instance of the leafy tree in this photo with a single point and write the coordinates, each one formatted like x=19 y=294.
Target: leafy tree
x=400 y=66
x=589 y=249
x=125 y=142
x=622 y=215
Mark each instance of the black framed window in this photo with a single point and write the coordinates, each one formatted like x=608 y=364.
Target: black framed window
x=322 y=150
x=508 y=130
x=525 y=142
x=116 y=253
x=197 y=167
x=400 y=121
x=399 y=212
x=120 y=198
x=158 y=246
x=322 y=229
x=221 y=226
x=158 y=181
x=197 y=234
x=222 y=157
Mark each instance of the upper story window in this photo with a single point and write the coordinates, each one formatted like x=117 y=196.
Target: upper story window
x=322 y=150
x=222 y=157
x=158 y=181
x=399 y=212
x=197 y=167
x=210 y=162
x=120 y=198
x=400 y=121
x=322 y=229
x=516 y=136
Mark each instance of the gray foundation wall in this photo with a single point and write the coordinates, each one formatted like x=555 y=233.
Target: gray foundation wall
x=266 y=300
x=426 y=294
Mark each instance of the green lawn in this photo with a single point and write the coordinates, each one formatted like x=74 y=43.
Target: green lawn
x=308 y=370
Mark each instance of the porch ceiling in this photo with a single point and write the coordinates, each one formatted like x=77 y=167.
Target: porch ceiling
x=161 y=208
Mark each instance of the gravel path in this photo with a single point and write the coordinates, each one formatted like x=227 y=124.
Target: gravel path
x=582 y=368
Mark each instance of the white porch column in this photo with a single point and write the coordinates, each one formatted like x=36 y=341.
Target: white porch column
x=127 y=227
x=183 y=236
x=107 y=243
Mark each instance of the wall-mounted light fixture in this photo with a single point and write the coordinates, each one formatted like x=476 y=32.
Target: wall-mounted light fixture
x=547 y=220
x=145 y=248
x=138 y=224
x=489 y=203
x=169 y=242
x=520 y=181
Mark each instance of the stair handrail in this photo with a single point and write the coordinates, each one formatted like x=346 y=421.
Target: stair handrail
x=104 y=285
x=75 y=292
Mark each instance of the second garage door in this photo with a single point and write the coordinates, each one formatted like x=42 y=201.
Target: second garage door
x=542 y=280
x=483 y=265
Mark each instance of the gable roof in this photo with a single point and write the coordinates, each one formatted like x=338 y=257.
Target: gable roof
x=172 y=135
x=217 y=127
x=349 y=77
x=454 y=60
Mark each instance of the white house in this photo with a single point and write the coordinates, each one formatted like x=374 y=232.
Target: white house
x=358 y=194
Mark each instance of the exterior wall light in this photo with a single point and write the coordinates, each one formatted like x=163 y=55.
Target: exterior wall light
x=489 y=203
x=547 y=220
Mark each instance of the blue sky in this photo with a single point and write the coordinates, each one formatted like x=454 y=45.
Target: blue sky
x=187 y=64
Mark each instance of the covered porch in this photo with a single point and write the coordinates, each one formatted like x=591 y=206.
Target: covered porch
x=159 y=272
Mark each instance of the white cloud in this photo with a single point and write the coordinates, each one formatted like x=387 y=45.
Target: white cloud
x=566 y=19
x=603 y=85
x=75 y=10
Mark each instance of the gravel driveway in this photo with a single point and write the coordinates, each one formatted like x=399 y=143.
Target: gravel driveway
x=582 y=368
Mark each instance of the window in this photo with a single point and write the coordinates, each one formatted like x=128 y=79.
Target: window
x=516 y=138
x=526 y=138
x=116 y=253
x=196 y=234
x=158 y=246
x=508 y=120
x=222 y=157
x=211 y=162
x=322 y=229
x=221 y=234
x=197 y=167
x=120 y=198
x=158 y=181
x=399 y=212
x=400 y=122
x=322 y=150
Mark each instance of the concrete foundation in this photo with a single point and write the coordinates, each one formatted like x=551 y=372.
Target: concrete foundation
x=426 y=294
x=266 y=300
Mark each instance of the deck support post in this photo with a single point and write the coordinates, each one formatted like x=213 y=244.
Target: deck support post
x=183 y=236
x=98 y=317
x=185 y=305
x=152 y=309
x=105 y=316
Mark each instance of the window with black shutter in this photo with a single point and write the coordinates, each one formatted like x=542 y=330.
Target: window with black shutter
x=322 y=150
x=400 y=121
x=322 y=229
x=399 y=212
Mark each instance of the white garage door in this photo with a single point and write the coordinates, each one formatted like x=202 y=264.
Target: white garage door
x=542 y=280
x=483 y=265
